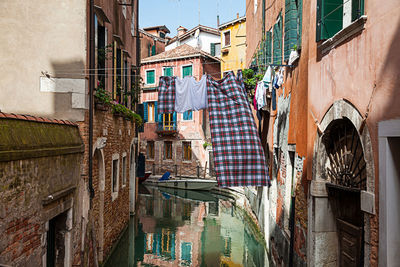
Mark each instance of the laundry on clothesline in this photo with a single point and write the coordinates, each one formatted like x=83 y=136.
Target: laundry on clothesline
x=238 y=155
x=260 y=95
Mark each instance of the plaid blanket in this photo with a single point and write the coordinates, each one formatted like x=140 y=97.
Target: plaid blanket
x=166 y=94
x=238 y=155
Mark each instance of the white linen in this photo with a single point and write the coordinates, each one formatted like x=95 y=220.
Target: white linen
x=190 y=94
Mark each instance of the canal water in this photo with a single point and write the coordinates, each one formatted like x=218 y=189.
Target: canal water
x=187 y=228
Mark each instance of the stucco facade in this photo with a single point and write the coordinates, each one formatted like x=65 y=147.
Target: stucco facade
x=344 y=84
x=233 y=56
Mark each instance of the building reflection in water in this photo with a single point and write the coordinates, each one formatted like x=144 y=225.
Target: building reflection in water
x=175 y=231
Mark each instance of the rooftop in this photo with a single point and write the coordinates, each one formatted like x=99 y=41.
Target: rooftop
x=160 y=27
x=237 y=20
x=202 y=28
x=182 y=51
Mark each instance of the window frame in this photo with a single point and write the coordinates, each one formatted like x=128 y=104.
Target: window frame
x=152 y=146
x=148 y=70
x=165 y=150
x=224 y=38
x=167 y=67
x=114 y=191
x=187 y=145
x=124 y=169
x=184 y=66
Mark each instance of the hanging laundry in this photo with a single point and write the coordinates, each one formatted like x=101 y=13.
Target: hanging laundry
x=280 y=77
x=199 y=93
x=183 y=97
x=166 y=94
x=260 y=95
x=267 y=76
x=255 y=98
x=238 y=155
x=273 y=98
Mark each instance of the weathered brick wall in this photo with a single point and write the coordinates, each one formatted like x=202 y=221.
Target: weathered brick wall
x=22 y=214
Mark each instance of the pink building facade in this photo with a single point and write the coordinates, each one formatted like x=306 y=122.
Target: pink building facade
x=175 y=142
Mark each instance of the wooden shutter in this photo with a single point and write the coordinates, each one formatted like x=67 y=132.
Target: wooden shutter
x=329 y=18
x=155 y=112
x=174 y=120
x=299 y=21
x=290 y=27
x=168 y=71
x=184 y=116
x=187 y=71
x=357 y=9
x=150 y=77
x=268 y=45
x=153 y=50
x=149 y=50
x=145 y=112
x=212 y=49
x=278 y=41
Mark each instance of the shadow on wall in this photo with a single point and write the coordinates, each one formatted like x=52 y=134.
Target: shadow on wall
x=68 y=83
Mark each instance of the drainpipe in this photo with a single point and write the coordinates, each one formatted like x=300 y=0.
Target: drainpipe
x=91 y=87
x=263 y=19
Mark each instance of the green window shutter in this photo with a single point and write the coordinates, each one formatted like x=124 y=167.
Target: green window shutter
x=187 y=115
x=145 y=112
x=299 y=21
x=168 y=71
x=153 y=50
x=184 y=116
x=329 y=18
x=149 y=50
x=212 y=49
x=357 y=9
x=150 y=79
x=268 y=41
x=290 y=27
x=278 y=41
x=186 y=71
x=155 y=112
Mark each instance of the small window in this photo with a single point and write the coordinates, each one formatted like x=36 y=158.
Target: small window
x=124 y=170
x=150 y=149
x=188 y=115
x=168 y=71
x=168 y=150
x=150 y=76
x=186 y=253
x=114 y=181
x=187 y=151
x=227 y=38
x=162 y=35
x=186 y=71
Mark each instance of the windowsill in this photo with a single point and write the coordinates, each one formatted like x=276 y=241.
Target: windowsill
x=187 y=161
x=343 y=35
x=150 y=87
x=114 y=195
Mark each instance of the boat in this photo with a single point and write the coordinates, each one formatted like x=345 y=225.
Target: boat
x=202 y=196
x=144 y=178
x=188 y=184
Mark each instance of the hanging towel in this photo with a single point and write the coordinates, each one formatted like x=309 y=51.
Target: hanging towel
x=280 y=77
x=183 y=97
x=267 y=76
x=260 y=95
x=166 y=94
x=199 y=93
x=238 y=155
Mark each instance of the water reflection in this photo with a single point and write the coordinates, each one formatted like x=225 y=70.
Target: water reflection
x=185 y=228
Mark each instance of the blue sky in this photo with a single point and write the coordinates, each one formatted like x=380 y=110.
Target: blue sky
x=173 y=13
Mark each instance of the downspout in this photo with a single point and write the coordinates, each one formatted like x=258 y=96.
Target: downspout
x=263 y=19
x=91 y=88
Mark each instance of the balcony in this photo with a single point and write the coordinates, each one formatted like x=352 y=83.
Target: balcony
x=166 y=128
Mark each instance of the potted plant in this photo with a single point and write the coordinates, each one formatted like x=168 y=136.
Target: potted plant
x=102 y=99
x=118 y=109
x=250 y=80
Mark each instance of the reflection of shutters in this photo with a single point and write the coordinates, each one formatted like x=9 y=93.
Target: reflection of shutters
x=329 y=18
x=212 y=49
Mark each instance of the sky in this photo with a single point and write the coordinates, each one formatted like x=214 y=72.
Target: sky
x=175 y=13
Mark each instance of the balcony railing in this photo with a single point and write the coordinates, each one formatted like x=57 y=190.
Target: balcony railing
x=166 y=127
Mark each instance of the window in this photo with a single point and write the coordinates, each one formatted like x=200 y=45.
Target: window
x=186 y=71
x=150 y=111
x=150 y=149
x=150 y=77
x=114 y=176
x=217 y=49
x=119 y=74
x=188 y=115
x=227 y=38
x=101 y=55
x=162 y=35
x=268 y=47
x=168 y=122
x=125 y=81
x=187 y=151
x=186 y=253
x=124 y=169
x=293 y=20
x=334 y=15
x=168 y=71
x=278 y=41
x=168 y=150
x=153 y=49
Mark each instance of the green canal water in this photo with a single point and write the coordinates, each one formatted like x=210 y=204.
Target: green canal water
x=187 y=228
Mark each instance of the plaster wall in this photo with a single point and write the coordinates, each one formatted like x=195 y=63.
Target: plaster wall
x=31 y=46
x=235 y=58
x=204 y=43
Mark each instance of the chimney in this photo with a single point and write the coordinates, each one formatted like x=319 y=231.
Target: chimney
x=237 y=15
x=217 y=20
x=181 y=31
